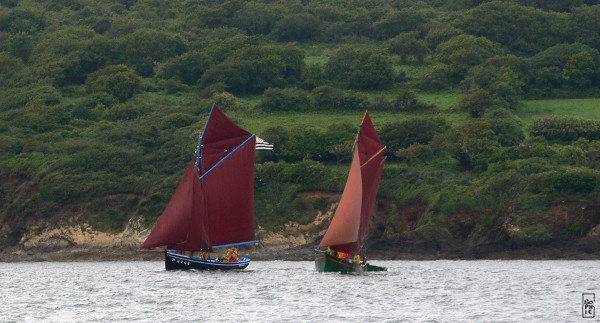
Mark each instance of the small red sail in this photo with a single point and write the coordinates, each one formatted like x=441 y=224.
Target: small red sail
x=369 y=154
x=344 y=226
x=181 y=215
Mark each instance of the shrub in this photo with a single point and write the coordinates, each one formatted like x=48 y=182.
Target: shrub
x=407 y=100
x=565 y=128
x=288 y=99
x=313 y=75
x=473 y=144
x=409 y=132
x=116 y=80
x=363 y=69
x=332 y=98
x=476 y=103
x=143 y=47
x=177 y=120
x=298 y=27
x=565 y=180
x=506 y=126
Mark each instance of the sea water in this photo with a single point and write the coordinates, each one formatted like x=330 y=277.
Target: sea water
x=287 y=291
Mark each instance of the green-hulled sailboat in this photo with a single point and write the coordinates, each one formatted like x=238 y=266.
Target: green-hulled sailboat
x=340 y=249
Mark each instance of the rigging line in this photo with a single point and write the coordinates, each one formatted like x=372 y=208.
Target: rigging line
x=375 y=154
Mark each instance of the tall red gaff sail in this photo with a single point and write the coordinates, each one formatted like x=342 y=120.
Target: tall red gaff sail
x=344 y=226
x=220 y=137
x=229 y=197
x=370 y=155
x=372 y=160
x=371 y=175
x=180 y=216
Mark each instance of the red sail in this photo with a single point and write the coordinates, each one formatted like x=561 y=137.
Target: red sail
x=229 y=197
x=372 y=160
x=371 y=171
x=216 y=206
x=220 y=137
x=369 y=143
x=181 y=214
x=345 y=224
x=369 y=154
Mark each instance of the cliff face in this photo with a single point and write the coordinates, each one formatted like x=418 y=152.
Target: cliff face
x=403 y=233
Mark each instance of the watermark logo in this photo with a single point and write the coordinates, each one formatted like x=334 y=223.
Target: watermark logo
x=587 y=305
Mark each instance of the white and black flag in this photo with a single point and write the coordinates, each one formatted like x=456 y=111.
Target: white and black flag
x=262 y=144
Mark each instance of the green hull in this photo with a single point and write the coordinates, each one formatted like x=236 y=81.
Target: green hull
x=326 y=263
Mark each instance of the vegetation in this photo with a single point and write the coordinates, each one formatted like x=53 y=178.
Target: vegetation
x=489 y=109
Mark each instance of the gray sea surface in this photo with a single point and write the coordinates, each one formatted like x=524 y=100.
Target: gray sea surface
x=287 y=291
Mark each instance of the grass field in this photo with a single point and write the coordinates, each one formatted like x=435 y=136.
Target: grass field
x=530 y=110
x=257 y=121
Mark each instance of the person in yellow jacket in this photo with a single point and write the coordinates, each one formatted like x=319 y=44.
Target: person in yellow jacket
x=232 y=255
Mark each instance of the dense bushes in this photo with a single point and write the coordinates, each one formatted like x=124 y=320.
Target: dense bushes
x=118 y=81
x=101 y=103
x=253 y=69
x=360 y=68
x=411 y=132
x=565 y=128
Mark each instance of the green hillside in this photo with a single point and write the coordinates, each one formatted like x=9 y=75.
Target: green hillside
x=490 y=111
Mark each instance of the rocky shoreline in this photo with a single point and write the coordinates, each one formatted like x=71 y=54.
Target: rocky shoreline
x=81 y=243
x=585 y=249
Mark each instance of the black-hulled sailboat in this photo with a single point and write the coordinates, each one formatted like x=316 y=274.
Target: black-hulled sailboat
x=213 y=206
x=339 y=251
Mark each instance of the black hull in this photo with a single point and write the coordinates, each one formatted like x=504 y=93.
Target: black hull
x=175 y=261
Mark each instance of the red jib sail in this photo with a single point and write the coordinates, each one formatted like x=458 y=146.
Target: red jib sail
x=216 y=205
x=182 y=214
x=358 y=199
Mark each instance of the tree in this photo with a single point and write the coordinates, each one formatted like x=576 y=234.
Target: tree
x=142 y=48
x=477 y=102
x=518 y=28
x=473 y=144
x=581 y=70
x=118 y=80
x=24 y=21
x=256 y=18
x=253 y=69
x=564 y=64
x=585 y=25
x=462 y=52
x=439 y=34
x=20 y=45
x=313 y=75
x=288 y=99
x=401 y=21
x=410 y=132
x=187 y=68
x=406 y=45
x=506 y=126
x=298 y=27
x=436 y=77
x=363 y=69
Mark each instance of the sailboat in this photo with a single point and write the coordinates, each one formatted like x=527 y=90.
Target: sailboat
x=339 y=250
x=213 y=206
